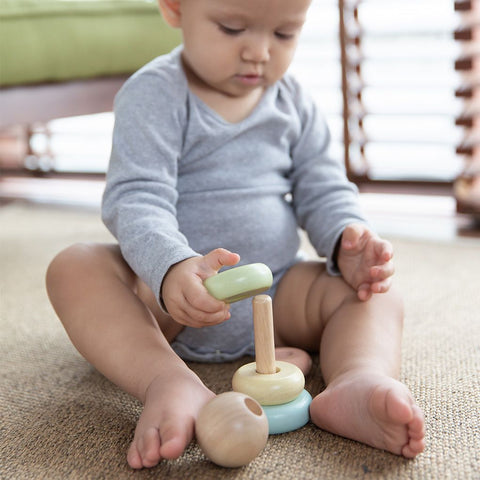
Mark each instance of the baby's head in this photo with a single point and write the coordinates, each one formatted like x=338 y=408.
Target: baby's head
x=236 y=46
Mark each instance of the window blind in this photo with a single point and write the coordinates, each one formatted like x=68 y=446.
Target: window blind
x=467 y=65
x=383 y=72
x=317 y=65
x=398 y=90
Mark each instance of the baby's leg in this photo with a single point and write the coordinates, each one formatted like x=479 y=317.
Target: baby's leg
x=113 y=320
x=359 y=357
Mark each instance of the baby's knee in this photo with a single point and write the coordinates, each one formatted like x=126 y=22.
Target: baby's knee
x=395 y=300
x=395 y=296
x=71 y=263
x=390 y=301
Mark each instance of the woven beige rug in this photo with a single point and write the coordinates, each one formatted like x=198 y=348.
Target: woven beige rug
x=62 y=420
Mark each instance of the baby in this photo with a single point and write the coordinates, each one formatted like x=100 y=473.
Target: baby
x=218 y=158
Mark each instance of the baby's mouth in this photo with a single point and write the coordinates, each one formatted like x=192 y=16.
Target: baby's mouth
x=250 y=78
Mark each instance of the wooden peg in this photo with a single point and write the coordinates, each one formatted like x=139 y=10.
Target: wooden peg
x=263 y=331
x=268 y=381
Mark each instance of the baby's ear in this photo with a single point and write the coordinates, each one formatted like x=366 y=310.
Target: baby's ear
x=171 y=12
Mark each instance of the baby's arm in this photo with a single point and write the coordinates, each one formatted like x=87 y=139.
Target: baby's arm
x=184 y=295
x=365 y=261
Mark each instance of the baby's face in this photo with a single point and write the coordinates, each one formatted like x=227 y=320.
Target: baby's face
x=237 y=46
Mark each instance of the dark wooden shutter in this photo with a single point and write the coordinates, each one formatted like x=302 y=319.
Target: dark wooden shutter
x=467 y=65
x=398 y=85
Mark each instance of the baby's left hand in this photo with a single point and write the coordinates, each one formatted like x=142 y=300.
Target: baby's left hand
x=365 y=261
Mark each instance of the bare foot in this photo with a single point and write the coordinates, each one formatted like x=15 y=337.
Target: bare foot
x=166 y=425
x=372 y=409
x=298 y=357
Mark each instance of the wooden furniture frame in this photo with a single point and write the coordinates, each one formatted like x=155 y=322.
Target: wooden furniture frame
x=32 y=105
x=26 y=105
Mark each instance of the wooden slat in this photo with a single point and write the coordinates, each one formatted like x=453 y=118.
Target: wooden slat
x=464 y=64
x=468 y=64
x=463 y=5
x=50 y=101
x=464 y=91
x=359 y=144
x=464 y=34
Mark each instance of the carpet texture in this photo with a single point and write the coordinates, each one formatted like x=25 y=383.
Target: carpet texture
x=60 y=419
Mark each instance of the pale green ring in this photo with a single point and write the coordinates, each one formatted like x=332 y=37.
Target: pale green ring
x=238 y=283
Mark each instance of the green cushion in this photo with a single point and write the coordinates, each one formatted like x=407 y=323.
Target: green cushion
x=59 y=40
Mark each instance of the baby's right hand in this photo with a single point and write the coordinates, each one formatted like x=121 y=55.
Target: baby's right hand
x=186 y=298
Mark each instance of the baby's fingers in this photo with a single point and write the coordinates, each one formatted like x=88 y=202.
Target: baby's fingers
x=366 y=290
x=382 y=272
x=381 y=287
x=198 y=318
x=191 y=316
x=351 y=237
x=203 y=309
x=218 y=258
x=384 y=251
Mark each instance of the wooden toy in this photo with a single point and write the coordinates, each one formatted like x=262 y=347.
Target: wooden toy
x=239 y=283
x=289 y=416
x=268 y=381
x=232 y=429
x=282 y=386
x=277 y=386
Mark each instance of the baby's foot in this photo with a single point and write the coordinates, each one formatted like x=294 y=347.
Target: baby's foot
x=166 y=425
x=298 y=357
x=373 y=409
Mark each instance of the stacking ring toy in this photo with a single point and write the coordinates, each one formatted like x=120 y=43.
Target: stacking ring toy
x=271 y=388
x=239 y=283
x=289 y=416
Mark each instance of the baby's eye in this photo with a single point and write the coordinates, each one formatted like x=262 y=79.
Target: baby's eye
x=230 y=31
x=284 y=36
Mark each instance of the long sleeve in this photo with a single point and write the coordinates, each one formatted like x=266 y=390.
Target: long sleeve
x=325 y=202
x=139 y=202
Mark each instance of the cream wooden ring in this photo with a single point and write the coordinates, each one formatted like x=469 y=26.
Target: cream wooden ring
x=269 y=388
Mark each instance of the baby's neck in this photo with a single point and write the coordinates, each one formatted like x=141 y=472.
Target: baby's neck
x=232 y=109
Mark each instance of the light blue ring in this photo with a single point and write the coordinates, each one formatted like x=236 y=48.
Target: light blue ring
x=288 y=416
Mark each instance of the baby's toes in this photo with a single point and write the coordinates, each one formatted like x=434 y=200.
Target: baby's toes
x=133 y=457
x=175 y=438
x=416 y=428
x=298 y=357
x=148 y=447
x=416 y=434
x=413 y=448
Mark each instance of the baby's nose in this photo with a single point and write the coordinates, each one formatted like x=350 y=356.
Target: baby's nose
x=257 y=49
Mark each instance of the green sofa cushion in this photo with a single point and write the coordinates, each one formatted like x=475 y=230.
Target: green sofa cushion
x=60 y=40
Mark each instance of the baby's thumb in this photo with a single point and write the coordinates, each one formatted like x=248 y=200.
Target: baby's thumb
x=220 y=257
x=351 y=236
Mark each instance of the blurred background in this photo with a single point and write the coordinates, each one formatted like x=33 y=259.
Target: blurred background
x=398 y=81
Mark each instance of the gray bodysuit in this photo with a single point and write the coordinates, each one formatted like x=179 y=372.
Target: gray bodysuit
x=183 y=181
